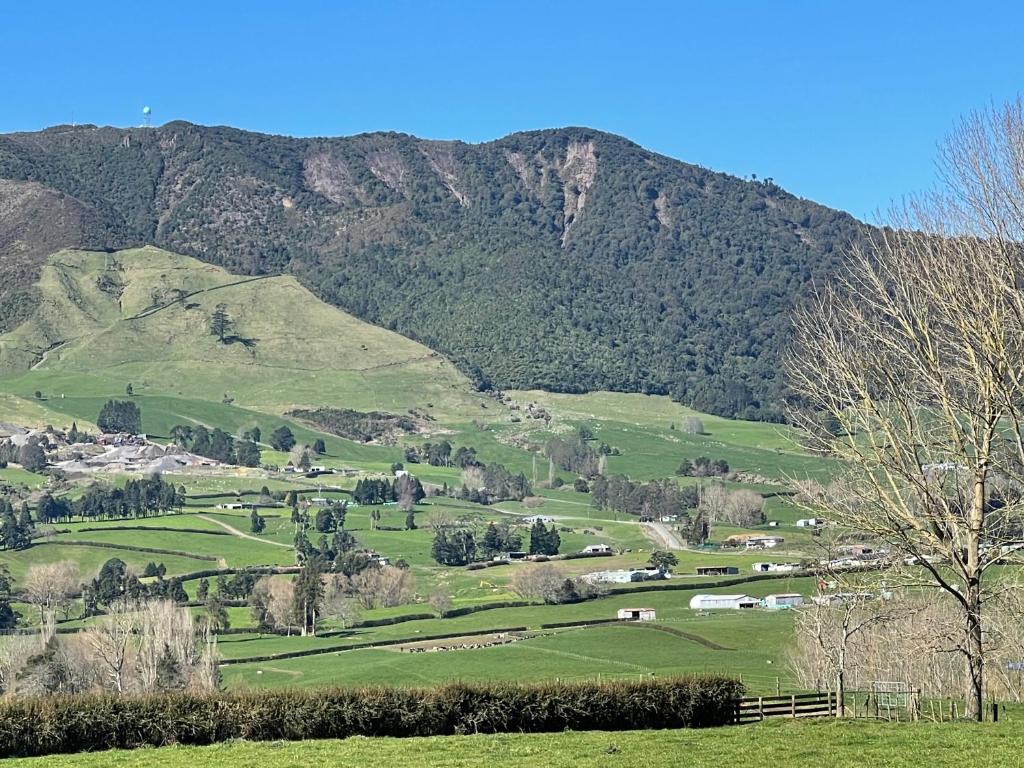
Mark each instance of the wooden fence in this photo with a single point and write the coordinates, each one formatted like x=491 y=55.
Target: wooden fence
x=756 y=708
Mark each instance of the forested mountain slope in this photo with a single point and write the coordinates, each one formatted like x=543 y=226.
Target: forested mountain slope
x=568 y=259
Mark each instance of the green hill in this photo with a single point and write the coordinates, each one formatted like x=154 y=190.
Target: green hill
x=568 y=260
x=143 y=316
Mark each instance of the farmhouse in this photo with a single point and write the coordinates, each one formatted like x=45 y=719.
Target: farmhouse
x=636 y=614
x=538 y=519
x=785 y=600
x=717 y=570
x=714 y=602
x=596 y=549
x=236 y=505
x=776 y=567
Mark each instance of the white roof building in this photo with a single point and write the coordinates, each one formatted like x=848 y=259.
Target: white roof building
x=785 y=600
x=715 y=602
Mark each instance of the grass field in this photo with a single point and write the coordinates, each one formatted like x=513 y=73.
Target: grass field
x=574 y=654
x=780 y=743
x=108 y=320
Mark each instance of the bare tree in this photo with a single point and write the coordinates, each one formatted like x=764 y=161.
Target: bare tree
x=827 y=630
x=110 y=640
x=384 y=587
x=915 y=358
x=49 y=586
x=441 y=600
x=166 y=633
x=339 y=601
x=541 y=582
x=692 y=425
x=744 y=508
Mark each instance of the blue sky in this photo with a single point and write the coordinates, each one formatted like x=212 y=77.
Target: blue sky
x=839 y=102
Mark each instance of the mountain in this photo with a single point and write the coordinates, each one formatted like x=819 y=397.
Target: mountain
x=569 y=260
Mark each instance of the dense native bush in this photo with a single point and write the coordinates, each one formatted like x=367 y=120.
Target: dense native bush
x=63 y=724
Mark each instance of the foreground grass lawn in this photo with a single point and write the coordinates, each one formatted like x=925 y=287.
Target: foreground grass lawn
x=778 y=744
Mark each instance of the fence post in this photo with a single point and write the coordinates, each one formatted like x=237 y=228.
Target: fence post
x=778 y=687
x=995 y=711
x=792 y=705
x=760 y=707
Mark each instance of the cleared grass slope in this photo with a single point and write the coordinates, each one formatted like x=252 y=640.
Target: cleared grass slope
x=143 y=315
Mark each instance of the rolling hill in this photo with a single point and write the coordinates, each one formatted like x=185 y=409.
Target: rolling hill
x=568 y=260
x=104 y=320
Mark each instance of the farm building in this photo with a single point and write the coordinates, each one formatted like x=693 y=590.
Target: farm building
x=236 y=505
x=809 y=522
x=538 y=519
x=715 y=602
x=636 y=614
x=596 y=549
x=785 y=600
x=624 y=576
x=763 y=542
x=717 y=570
x=776 y=567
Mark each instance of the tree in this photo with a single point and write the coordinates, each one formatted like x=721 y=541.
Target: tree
x=538 y=582
x=217 y=618
x=324 y=521
x=543 y=540
x=257 y=523
x=221 y=323
x=830 y=625
x=129 y=390
x=692 y=425
x=319 y=447
x=282 y=439
x=120 y=416
x=915 y=353
x=110 y=640
x=338 y=602
x=441 y=600
x=662 y=560
x=203 y=590
x=32 y=457
x=309 y=593
x=50 y=586
x=247 y=453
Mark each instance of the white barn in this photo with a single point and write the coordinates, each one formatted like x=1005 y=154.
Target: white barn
x=596 y=549
x=716 y=602
x=784 y=600
x=636 y=614
x=776 y=567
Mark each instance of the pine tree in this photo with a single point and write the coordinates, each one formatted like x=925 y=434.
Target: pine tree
x=220 y=323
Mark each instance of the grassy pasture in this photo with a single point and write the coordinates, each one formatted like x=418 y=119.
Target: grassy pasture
x=780 y=743
x=575 y=654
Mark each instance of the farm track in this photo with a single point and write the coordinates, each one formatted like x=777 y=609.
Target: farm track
x=241 y=534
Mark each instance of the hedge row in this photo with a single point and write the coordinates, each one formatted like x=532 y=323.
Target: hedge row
x=580 y=623
x=166 y=528
x=62 y=724
x=129 y=548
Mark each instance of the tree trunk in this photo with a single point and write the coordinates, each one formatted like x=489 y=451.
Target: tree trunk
x=975 y=661
x=841 y=692
x=973 y=646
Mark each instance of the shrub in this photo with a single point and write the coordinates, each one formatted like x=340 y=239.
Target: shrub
x=61 y=724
